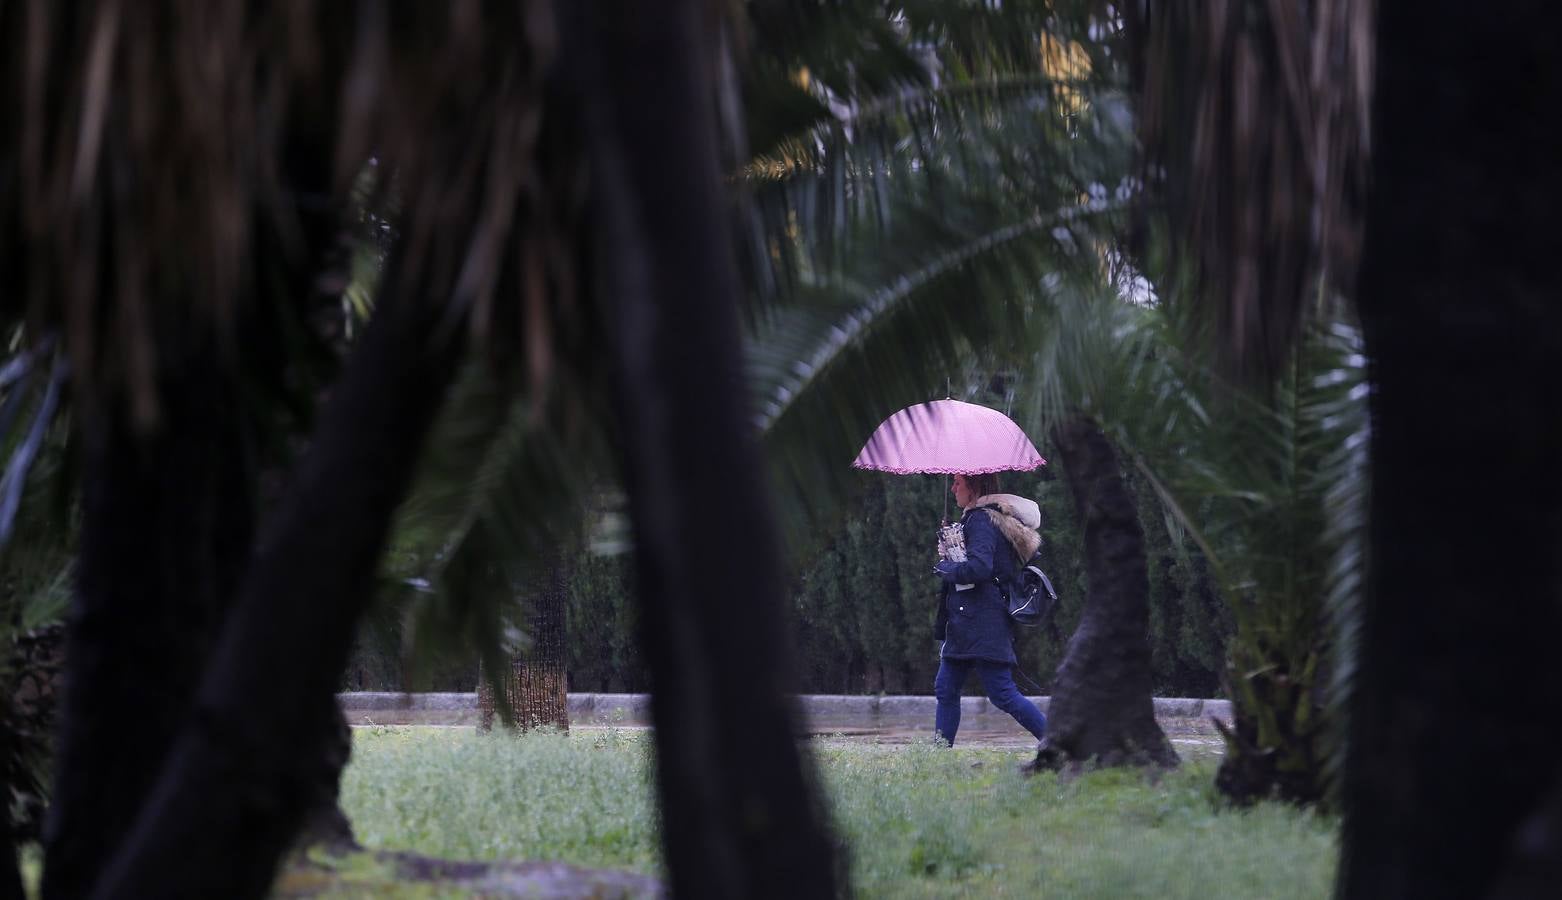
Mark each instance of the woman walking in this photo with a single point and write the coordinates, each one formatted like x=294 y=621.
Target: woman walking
x=973 y=620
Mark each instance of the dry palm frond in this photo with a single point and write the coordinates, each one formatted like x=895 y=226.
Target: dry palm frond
x=1255 y=122
x=170 y=155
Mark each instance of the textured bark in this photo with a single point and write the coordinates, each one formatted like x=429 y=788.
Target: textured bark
x=1291 y=767
x=26 y=729
x=1101 y=703
x=166 y=527
x=168 y=524
x=261 y=742
x=31 y=666
x=235 y=788
x=740 y=816
x=536 y=685
x=325 y=823
x=1453 y=715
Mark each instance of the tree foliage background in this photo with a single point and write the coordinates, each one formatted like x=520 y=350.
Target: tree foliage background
x=862 y=602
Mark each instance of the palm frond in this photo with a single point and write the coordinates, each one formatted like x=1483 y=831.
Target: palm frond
x=782 y=374
x=506 y=482
x=1267 y=482
x=965 y=82
x=32 y=382
x=1256 y=129
x=169 y=162
x=924 y=108
x=37 y=537
x=799 y=57
x=976 y=40
x=1275 y=478
x=1342 y=406
x=910 y=227
x=841 y=185
x=889 y=329
x=909 y=231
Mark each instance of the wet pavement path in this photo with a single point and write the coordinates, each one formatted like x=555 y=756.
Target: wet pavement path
x=857 y=720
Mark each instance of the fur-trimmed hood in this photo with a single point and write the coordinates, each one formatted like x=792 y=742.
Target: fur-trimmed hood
x=1017 y=519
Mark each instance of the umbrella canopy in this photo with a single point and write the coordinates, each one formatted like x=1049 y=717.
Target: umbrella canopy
x=948 y=437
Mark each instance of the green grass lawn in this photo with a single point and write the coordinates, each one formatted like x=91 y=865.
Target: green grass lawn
x=920 y=821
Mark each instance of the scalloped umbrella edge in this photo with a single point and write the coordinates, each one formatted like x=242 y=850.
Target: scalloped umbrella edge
x=948 y=437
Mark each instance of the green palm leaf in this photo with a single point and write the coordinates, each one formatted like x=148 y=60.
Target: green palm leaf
x=508 y=479
x=907 y=247
x=1277 y=482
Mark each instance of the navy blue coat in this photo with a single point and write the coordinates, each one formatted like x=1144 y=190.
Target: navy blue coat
x=976 y=620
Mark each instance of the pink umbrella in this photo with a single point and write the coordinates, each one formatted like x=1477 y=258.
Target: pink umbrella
x=948 y=437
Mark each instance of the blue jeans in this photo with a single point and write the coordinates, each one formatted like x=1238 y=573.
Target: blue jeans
x=999 y=683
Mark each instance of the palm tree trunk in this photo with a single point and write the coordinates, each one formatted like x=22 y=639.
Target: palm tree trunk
x=27 y=719
x=166 y=529
x=325 y=822
x=168 y=525
x=536 y=685
x=1454 y=708
x=1101 y=703
x=236 y=784
x=739 y=813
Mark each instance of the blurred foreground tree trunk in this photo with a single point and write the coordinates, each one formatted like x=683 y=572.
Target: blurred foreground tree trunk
x=740 y=813
x=169 y=517
x=1452 y=751
x=235 y=786
x=452 y=103
x=1101 y=707
x=166 y=529
x=199 y=730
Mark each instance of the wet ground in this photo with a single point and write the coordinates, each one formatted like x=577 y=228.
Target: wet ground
x=1191 y=737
